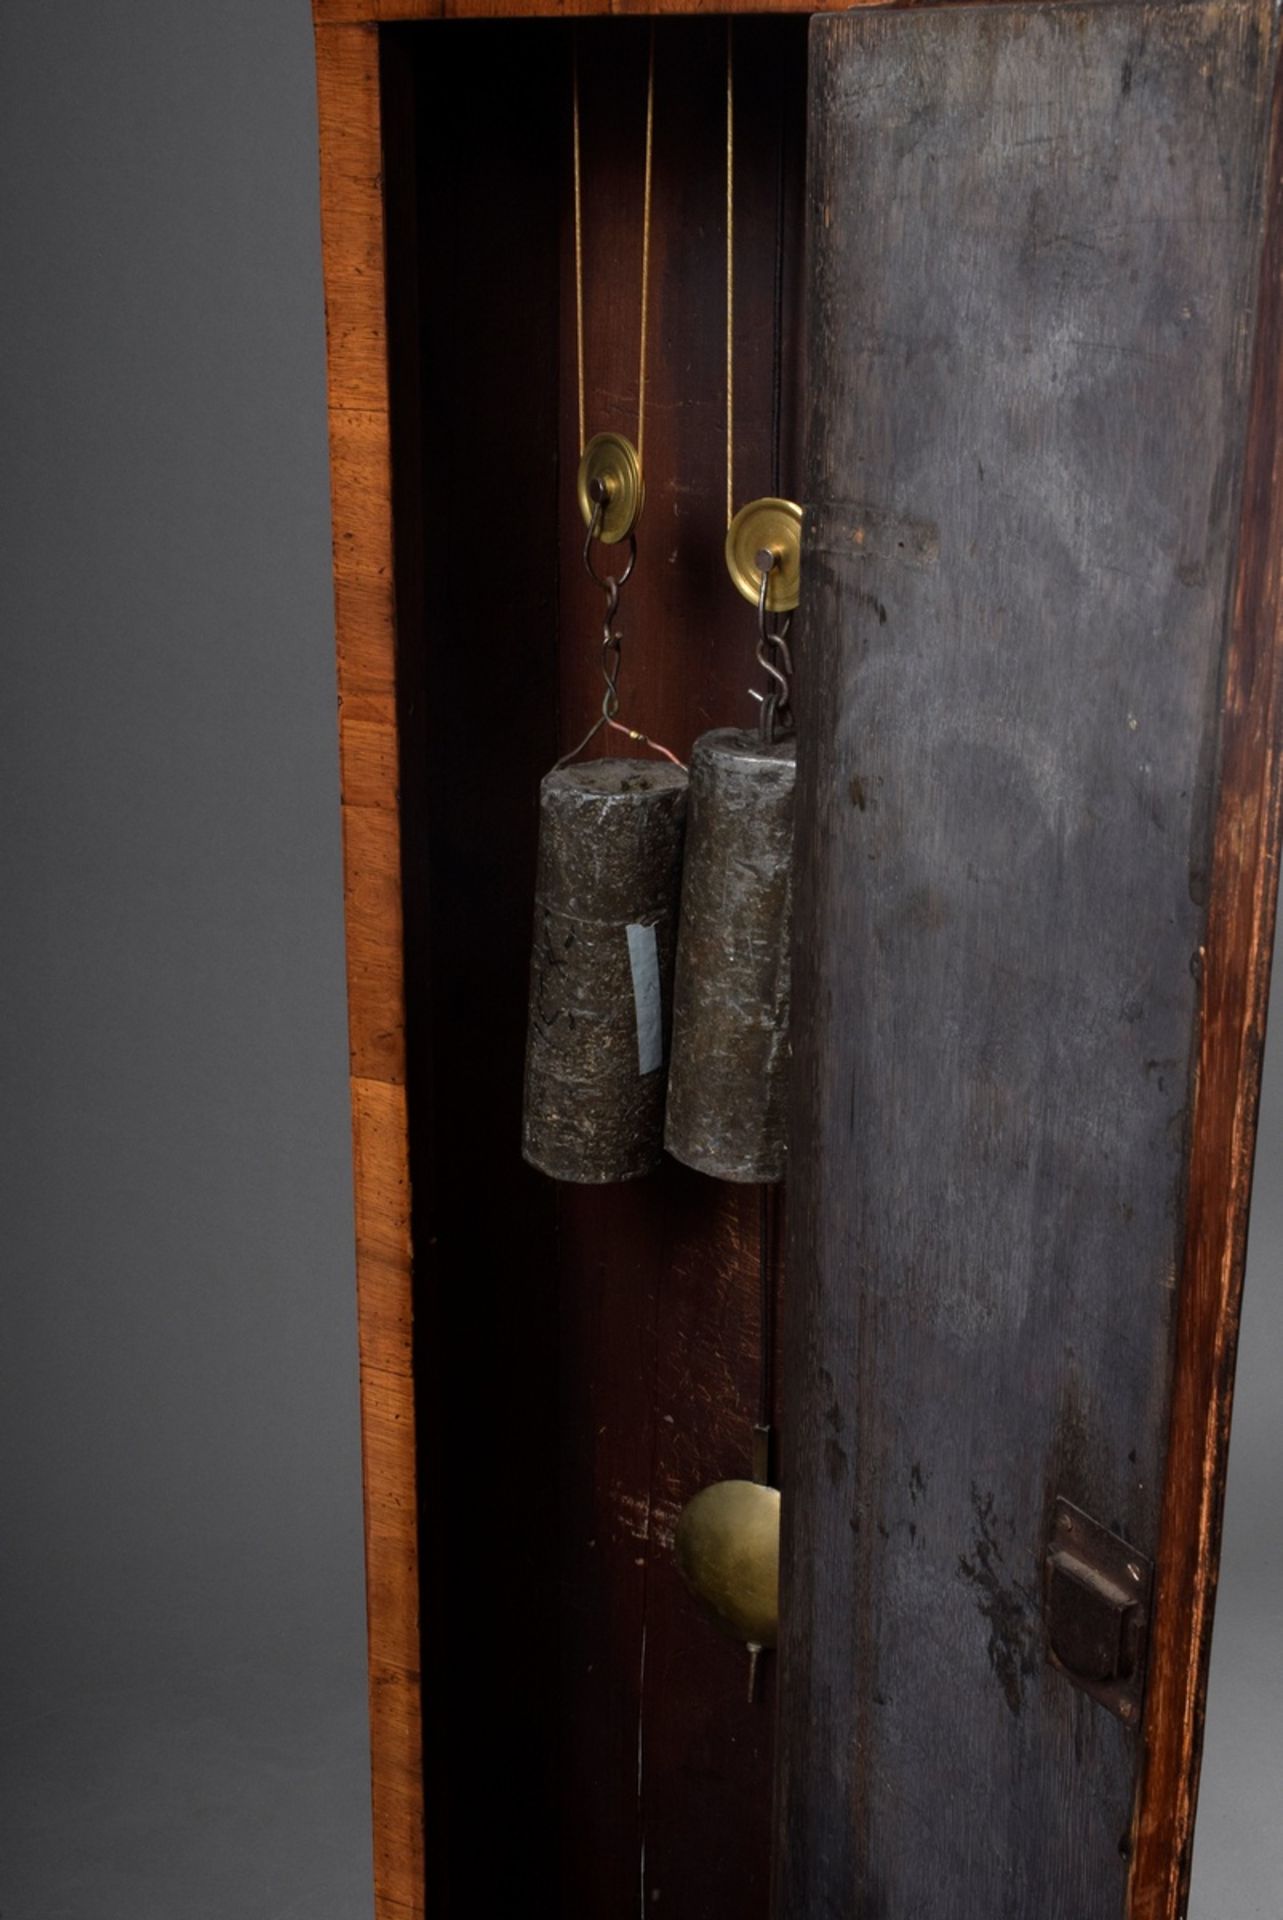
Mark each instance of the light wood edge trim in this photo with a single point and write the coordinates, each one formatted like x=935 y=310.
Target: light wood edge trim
x=388 y=12
x=353 y=261
x=394 y=12
x=1234 y=999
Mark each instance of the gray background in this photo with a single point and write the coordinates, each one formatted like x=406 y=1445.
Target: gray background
x=181 y=1610
x=182 y=1701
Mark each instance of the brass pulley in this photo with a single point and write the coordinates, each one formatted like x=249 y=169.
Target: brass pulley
x=610 y=486
x=766 y=537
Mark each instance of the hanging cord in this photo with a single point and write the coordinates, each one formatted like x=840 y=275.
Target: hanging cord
x=777 y=324
x=645 y=272
x=610 y=584
x=647 y=172
x=579 y=242
x=730 y=271
x=773 y=654
x=773 y=651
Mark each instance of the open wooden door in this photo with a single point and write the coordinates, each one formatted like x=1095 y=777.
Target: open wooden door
x=1039 y=807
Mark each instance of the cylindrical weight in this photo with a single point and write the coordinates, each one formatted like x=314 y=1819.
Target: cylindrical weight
x=727 y=1079
x=609 y=878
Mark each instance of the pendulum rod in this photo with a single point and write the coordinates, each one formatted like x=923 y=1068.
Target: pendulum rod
x=762 y=1437
x=763 y=1462
x=763 y=1465
x=768 y=1196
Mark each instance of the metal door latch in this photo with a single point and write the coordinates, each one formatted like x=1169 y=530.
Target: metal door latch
x=1096 y=1608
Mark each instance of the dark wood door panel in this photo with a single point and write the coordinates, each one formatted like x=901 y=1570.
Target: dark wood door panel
x=1035 y=247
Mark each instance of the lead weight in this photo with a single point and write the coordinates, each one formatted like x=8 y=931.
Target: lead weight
x=727 y=1078
x=606 y=897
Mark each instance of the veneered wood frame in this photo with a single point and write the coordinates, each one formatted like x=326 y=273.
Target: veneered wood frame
x=1235 y=993
x=383 y=12
x=1234 y=988
x=361 y=487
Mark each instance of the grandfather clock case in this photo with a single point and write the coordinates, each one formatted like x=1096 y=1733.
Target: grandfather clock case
x=1006 y=323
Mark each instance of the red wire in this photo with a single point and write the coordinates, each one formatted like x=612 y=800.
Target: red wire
x=631 y=733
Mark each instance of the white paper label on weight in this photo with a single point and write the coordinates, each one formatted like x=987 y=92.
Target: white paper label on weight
x=643 y=957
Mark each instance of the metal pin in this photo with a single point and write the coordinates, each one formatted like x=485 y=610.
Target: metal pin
x=762 y=1454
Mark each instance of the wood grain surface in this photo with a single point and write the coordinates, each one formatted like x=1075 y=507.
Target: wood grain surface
x=594 y=1357
x=360 y=460
x=473 y=265
x=660 y=1283
x=640 y=1322
x=1036 y=239
x=388 y=11
x=1238 y=944
x=591 y=1355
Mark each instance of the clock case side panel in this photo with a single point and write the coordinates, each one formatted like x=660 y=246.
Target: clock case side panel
x=350 y=128
x=470 y=233
x=1238 y=952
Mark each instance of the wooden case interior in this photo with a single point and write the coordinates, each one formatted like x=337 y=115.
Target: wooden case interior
x=586 y=1358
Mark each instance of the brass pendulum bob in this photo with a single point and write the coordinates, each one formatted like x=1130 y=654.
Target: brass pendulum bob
x=728 y=1552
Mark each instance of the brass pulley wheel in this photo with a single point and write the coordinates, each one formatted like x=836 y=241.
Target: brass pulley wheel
x=610 y=463
x=767 y=527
